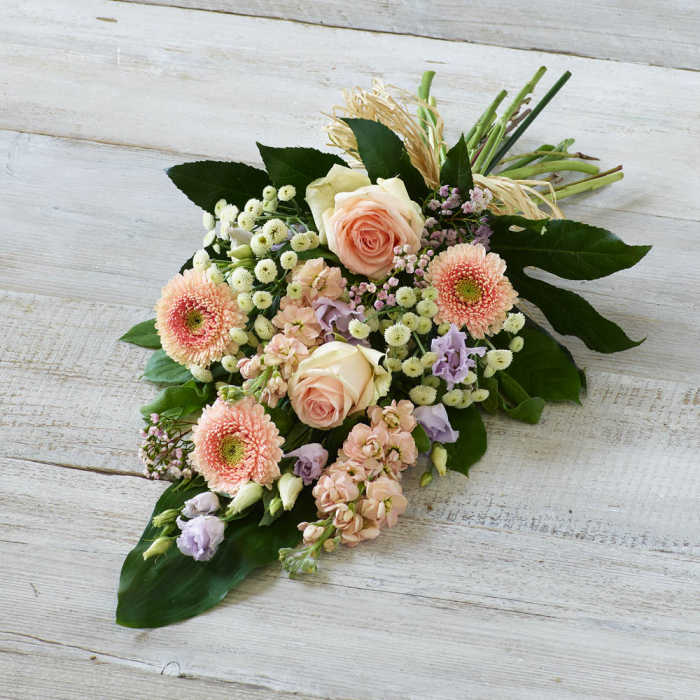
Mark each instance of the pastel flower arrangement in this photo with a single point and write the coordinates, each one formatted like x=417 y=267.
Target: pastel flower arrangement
x=346 y=320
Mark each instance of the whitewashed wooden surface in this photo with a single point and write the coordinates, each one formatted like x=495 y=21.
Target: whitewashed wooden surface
x=567 y=566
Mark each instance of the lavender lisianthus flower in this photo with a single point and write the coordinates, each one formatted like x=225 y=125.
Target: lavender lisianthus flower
x=335 y=315
x=454 y=361
x=311 y=459
x=202 y=504
x=200 y=536
x=436 y=423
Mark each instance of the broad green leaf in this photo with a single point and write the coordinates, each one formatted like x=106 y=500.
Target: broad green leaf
x=162 y=370
x=471 y=446
x=543 y=369
x=421 y=439
x=382 y=154
x=173 y=587
x=284 y=420
x=178 y=401
x=511 y=388
x=571 y=314
x=205 y=182
x=297 y=166
x=502 y=223
x=318 y=253
x=143 y=334
x=491 y=403
x=529 y=411
x=566 y=248
x=456 y=170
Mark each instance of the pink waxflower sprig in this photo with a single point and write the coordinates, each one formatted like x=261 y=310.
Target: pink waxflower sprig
x=360 y=493
x=166 y=448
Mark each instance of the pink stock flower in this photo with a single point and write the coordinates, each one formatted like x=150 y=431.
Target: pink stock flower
x=193 y=318
x=352 y=527
x=275 y=389
x=384 y=501
x=395 y=416
x=400 y=450
x=285 y=352
x=299 y=322
x=472 y=288
x=250 y=366
x=365 y=442
x=357 y=470
x=333 y=489
x=319 y=280
x=235 y=443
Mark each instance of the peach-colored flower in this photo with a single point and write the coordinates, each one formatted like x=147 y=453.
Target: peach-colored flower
x=357 y=470
x=287 y=352
x=193 y=318
x=318 y=280
x=312 y=533
x=400 y=450
x=365 y=442
x=352 y=527
x=299 y=322
x=235 y=443
x=250 y=367
x=336 y=380
x=332 y=489
x=384 y=501
x=366 y=225
x=275 y=389
x=472 y=289
x=395 y=416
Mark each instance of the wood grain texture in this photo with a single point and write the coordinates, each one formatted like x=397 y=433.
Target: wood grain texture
x=636 y=436
x=194 y=82
x=500 y=615
x=662 y=33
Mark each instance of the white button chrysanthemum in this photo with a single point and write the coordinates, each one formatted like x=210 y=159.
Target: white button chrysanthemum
x=208 y=221
x=443 y=328
x=422 y=395
x=266 y=271
x=269 y=193
x=429 y=293
x=429 y=359
x=427 y=308
x=424 y=325
x=470 y=378
x=260 y=244
x=412 y=367
x=219 y=206
x=406 y=297
x=246 y=221
x=270 y=207
x=241 y=280
x=489 y=371
x=431 y=380
x=229 y=213
x=516 y=345
x=245 y=301
x=201 y=260
x=452 y=398
x=392 y=364
x=295 y=290
x=514 y=323
x=410 y=320
x=262 y=300
x=263 y=328
x=286 y=193
x=479 y=395
x=209 y=238
x=254 y=207
x=499 y=359
x=230 y=363
x=314 y=240
x=466 y=400
x=201 y=374
x=276 y=229
x=238 y=335
x=373 y=323
x=215 y=275
x=397 y=335
x=358 y=329
x=300 y=242
x=253 y=340
x=289 y=259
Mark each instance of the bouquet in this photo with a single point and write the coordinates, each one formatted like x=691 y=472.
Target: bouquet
x=348 y=318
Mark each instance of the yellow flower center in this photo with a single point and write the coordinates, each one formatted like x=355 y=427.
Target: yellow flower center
x=231 y=450
x=194 y=319
x=468 y=291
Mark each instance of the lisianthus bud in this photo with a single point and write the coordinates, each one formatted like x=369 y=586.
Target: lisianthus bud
x=439 y=456
x=290 y=487
x=167 y=516
x=275 y=505
x=248 y=494
x=160 y=546
x=426 y=478
x=241 y=252
x=231 y=392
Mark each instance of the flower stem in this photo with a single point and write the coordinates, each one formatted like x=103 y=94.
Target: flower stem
x=587 y=185
x=528 y=172
x=484 y=122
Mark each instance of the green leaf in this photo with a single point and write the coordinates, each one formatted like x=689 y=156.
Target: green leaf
x=318 y=253
x=491 y=403
x=421 y=439
x=179 y=401
x=383 y=154
x=297 y=166
x=566 y=248
x=471 y=445
x=502 y=223
x=162 y=370
x=143 y=334
x=543 y=369
x=284 y=420
x=529 y=411
x=173 y=587
x=205 y=182
x=571 y=314
x=456 y=170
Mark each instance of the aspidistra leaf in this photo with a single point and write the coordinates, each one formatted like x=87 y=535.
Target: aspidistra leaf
x=456 y=170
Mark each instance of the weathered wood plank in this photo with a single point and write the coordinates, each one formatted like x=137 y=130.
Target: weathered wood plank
x=624 y=464
x=587 y=620
x=130 y=229
x=187 y=81
x=662 y=34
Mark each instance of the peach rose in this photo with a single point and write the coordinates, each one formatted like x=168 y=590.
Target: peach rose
x=336 y=380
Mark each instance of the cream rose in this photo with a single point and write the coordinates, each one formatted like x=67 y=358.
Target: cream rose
x=337 y=380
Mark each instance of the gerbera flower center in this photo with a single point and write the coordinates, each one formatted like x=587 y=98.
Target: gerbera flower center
x=231 y=450
x=468 y=291
x=194 y=319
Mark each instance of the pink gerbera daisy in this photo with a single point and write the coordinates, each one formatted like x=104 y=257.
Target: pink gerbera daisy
x=472 y=289
x=193 y=318
x=234 y=443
